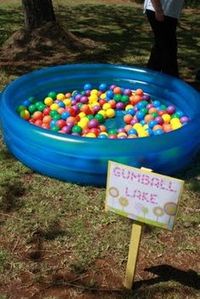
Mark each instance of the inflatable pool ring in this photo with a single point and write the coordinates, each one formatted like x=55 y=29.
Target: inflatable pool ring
x=84 y=160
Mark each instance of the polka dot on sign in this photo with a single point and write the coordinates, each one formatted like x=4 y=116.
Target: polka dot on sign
x=110 y=112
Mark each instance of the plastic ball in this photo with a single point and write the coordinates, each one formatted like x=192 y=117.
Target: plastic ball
x=25 y=114
x=93 y=123
x=87 y=86
x=52 y=94
x=103 y=86
x=110 y=113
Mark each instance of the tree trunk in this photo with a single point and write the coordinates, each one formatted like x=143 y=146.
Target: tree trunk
x=37 y=13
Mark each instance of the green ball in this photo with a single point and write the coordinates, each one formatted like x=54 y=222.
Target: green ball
x=41 y=107
x=52 y=94
x=112 y=132
x=55 y=128
x=117 y=97
x=125 y=99
x=77 y=129
x=53 y=113
x=99 y=117
x=20 y=108
x=56 y=116
x=154 y=114
x=90 y=116
x=32 y=99
x=32 y=108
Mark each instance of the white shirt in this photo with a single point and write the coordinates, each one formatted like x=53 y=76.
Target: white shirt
x=171 y=8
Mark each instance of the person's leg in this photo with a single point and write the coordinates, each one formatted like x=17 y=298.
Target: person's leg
x=163 y=55
x=169 y=62
x=155 y=59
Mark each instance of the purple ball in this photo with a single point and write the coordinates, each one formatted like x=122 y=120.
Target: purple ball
x=112 y=86
x=127 y=92
x=66 y=129
x=121 y=130
x=84 y=100
x=93 y=123
x=171 y=109
x=96 y=108
x=77 y=97
x=134 y=121
x=120 y=106
x=73 y=102
x=159 y=120
x=87 y=93
x=146 y=97
x=150 y=106
x=184 y=119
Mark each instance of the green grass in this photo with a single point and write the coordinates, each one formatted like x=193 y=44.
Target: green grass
x=51 y=228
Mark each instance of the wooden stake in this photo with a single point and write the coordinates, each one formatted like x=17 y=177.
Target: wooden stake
x=133 y=254
x=136 y=234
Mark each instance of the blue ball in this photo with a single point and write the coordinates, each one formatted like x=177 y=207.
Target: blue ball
x=87 y=86
x=109 y=94
x=158 y=132
x=132 y=131
x=103 y=87
x=65 y=115
x=152 y=123
x=156 y=103
x=140 y=115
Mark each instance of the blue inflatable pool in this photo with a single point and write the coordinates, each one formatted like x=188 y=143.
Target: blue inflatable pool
x=84 y=160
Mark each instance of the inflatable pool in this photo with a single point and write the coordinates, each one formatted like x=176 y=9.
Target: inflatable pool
x=84 y=160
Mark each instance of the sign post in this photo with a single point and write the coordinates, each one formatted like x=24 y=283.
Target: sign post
x=145 y=197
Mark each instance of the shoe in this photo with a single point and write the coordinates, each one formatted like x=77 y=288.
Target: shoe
x=198 y=75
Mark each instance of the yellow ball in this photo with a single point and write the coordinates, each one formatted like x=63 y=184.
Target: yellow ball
x=110 y=113
x=83 y=123
x=175 y=120
x=103 y=96
x=93 y=98
x=48 y=101
x=102 y=112
x=54 y=106
x=137 y=126
x=91 y=135
x=67 y=102
x=121 y=134
x=166 y=117
x=94 y=91
x=60 y=96
x=82 y=114
x=129 y=107
x=106 y=106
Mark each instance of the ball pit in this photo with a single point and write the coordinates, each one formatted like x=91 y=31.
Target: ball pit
x=68 y=156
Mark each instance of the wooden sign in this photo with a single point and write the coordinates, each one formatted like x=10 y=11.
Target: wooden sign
x=142 y=195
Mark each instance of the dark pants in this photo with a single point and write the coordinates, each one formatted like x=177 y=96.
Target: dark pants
x=163 y=56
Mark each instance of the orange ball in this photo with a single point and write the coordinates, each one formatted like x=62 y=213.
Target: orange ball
x=134 y=99
x=117 y=90
x=128 y=127
x=152 y=110
x=46 y=119
x=102 y=128
x=139 y=91
x=157 y=127
x=148 y=118
x=167 y=128
x=128 y=118
x=37 y=115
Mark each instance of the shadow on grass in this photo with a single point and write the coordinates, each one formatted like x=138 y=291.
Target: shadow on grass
x=168 y=273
